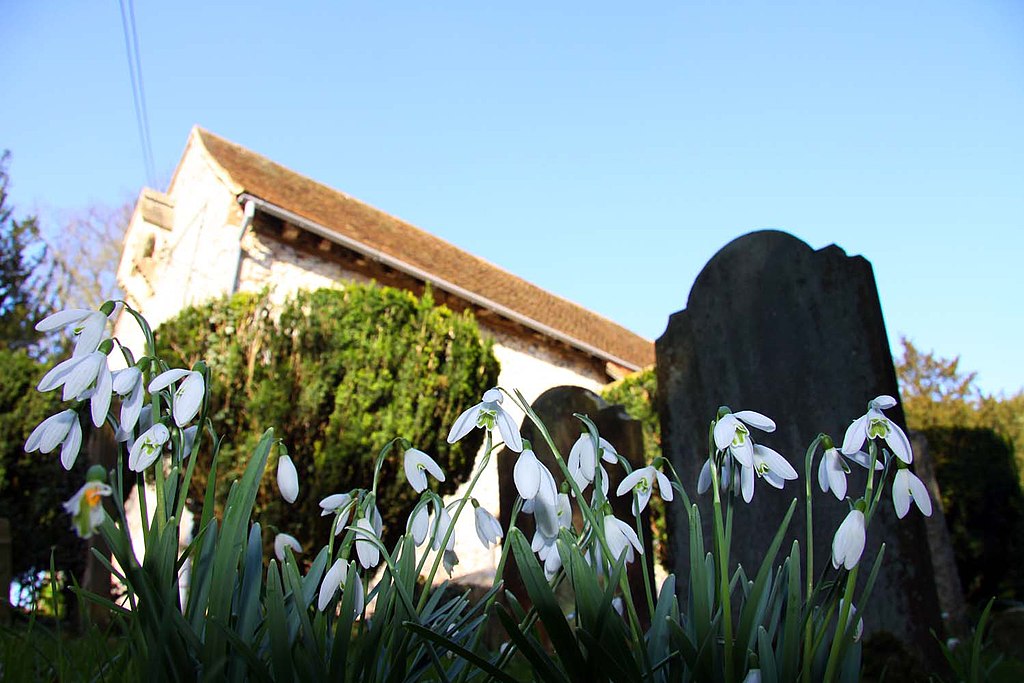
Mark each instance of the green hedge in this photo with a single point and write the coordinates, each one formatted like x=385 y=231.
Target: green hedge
x=984 y=509
x=337 y=373
x=33 y=485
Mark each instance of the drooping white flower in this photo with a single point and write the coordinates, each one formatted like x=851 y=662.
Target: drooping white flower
x=621 y=538
x=417 y=465
x=488 y=529
x=63 y=429
x=282 y=541
x=333 y=503
x=187 y=398
x=287 y=479
x=583 y=460
x=127 y=383
x=87 y=325
x=641 y=482
x=335 y=578
x=532 y=478
x=419 y=524
x=146 y=449
x=832 y=470
x=489 y=415
x=550 y=517
x=858 y=630
x=449 y=559
x=442 y=523
x=772 y=467
x=731 y=433
x=848 y=543
x=99 y=397
x=76 y=375
x=874 y=425
x=906 y=487
x=86 y=508
x=366 y=550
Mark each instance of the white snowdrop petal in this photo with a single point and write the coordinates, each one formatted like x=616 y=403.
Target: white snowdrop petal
x=465 y=423
x=756 y=419
x=61 y=319
x=287 y=479
x=73 y=442
x=166 y=379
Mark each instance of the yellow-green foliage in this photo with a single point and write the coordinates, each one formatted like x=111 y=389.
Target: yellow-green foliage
x=337 y=374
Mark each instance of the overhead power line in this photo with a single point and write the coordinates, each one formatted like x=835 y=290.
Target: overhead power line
x=131 y=44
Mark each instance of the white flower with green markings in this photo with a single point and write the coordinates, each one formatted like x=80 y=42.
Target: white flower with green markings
x=489 y=415
x=641 y=482
x=874 y=425
x=187 y=398
x=732 y=434
x=417 y=465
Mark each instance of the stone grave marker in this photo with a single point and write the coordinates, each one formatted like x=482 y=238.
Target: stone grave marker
x=556 y=407
x=796 y=334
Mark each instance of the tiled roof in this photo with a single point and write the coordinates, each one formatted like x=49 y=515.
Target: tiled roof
x=352 y=219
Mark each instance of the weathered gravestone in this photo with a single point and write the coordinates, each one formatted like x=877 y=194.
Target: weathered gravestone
x=556 y=407
x=772 y=325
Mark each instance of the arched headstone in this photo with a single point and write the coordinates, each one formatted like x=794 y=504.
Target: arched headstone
x=774 y=326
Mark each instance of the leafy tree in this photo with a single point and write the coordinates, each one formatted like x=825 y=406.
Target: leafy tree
x=338 y=374
x=937 y=393
x=22 y=255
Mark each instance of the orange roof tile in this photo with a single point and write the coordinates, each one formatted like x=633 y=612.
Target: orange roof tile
x=354 y=220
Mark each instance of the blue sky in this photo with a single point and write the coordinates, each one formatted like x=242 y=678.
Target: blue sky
x=601 y=150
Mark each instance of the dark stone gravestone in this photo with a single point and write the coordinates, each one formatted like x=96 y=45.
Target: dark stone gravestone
x=556 y=407
x=773 y=326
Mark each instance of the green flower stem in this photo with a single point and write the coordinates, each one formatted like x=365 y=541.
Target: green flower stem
x=722 y=551
x=809 y=625
x=838 y=643
x=643 y=570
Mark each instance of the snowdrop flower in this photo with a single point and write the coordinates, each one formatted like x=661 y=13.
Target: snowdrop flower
x=848 y=543
x=858 y=630
x=874 y=425
x=906 y=487
x=87 y=325
x=583 y=461
x=127 y=383
x=621 y=538
x=76 y=375
x=641 y=482
x=731 y=434
x=333 y=503
x=62 y=429
x=188 y=398
x=282 y=541
x=366 y=549
x=532 y=478
x=86 y=508
x=772 y=467
x=551 y=517
x=146 y=449
x=417 y=465
x=832 y=470
x=287 y=479
x=489 y=415
x=337 y=576
x=488 y=529
x=449 y=559
x=442 y=522
x=419 y=525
